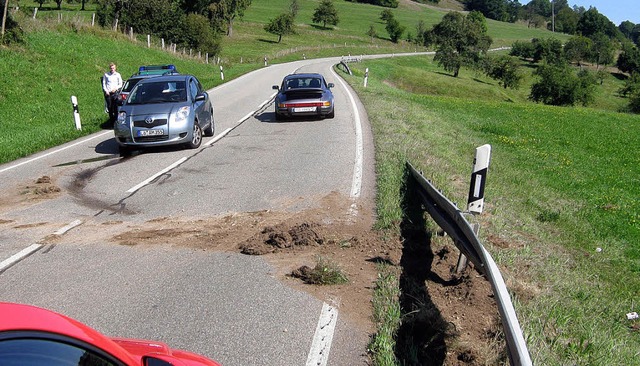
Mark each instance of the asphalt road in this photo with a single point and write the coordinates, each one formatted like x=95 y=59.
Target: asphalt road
x=223 y=305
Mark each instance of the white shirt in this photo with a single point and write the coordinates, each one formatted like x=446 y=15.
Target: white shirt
x=111 y=81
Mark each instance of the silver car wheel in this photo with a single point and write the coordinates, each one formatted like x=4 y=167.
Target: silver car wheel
x=196 y=138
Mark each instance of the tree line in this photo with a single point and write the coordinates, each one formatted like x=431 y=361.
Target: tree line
x=462 y=41
x=194 y=24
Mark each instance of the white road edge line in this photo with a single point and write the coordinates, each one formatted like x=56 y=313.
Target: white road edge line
x=356 y=183
x=223 y=134
x=19 y=256
x=209 y=143
x=321 y=344
x=63 y=230
x=55 y=151
x=131 y=190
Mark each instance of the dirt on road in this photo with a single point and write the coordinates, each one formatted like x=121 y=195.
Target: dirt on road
x=448 y=318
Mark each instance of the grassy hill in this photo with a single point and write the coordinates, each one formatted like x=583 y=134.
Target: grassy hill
x=563 y=181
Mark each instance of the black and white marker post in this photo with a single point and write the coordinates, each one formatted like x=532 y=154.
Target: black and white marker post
x=475 y=202
x=76 y=113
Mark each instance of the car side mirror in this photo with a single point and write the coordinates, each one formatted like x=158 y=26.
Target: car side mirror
x=202 y=96
x=331 y=85
x=275 y=87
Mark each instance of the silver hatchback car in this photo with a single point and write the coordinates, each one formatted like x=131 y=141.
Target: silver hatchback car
x=165 y=110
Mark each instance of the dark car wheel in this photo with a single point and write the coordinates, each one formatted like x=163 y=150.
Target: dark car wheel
x=210 y=130
x=196 y=138
x=332 y=114
x=124 y=150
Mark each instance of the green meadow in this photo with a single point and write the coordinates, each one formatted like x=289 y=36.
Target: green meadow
x=562 y=216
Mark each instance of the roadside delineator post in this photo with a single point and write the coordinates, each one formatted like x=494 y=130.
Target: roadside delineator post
x=76 y=113
x=475 y=201
x=221 y=73
x=366 y=77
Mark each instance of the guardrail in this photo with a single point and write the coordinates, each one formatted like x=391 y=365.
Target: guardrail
x=450 y=219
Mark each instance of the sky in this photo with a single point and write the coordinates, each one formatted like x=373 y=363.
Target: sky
x=616 y=10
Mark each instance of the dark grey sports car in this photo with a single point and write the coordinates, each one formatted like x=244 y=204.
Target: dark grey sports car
x=165 y=110
x=304 y=95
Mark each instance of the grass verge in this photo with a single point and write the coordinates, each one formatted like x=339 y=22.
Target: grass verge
x=562 y=183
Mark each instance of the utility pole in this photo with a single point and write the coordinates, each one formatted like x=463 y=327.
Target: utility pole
x=553 y=16
x=4 y=17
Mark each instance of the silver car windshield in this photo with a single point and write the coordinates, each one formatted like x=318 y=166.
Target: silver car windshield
x=158 y=92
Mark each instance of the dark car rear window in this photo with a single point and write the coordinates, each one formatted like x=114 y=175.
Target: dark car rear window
x=299 y=83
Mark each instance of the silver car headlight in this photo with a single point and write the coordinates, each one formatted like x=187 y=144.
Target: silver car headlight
x=122 y=117
x=182 y=113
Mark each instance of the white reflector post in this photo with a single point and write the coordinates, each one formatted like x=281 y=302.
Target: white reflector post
x=478 y=179
x=76 y=113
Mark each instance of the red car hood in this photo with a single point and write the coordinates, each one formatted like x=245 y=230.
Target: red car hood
x=21 y=317
x=139 y=348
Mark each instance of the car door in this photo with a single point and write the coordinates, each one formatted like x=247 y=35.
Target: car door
x=201 y=107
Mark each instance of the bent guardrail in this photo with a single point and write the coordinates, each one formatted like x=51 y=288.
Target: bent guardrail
x=450 y=219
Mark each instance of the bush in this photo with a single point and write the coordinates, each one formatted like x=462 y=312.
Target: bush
x=522 y=49
x=634 y=102
x=12 y=33
x=505 y=69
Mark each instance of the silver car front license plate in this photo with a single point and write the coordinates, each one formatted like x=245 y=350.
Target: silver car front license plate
x=143 y=133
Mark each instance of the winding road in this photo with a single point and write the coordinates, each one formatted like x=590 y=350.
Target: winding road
x=227 y=306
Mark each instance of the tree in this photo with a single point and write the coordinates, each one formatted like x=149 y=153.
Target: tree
x=226 y=11
x=421 y=29
x=634 y=102
x=578 y=49
x=294 y=8
x=459 y=40
x=626 y=28
x=160 y=17
x=548 y=49
x=199 y=34
x=629 y=58
x=635 y=34
x=385 y=15
x=479 y=18
x=567 y=21
x=506 y=70
x=281 y=25
x=559 y=85
x=502 y=10
x=602 y=50
x=523 y=49
x=631 y=85
x=540 y=7
x=394 y=29
x=12 y=33
x=592 y=22
x=372 y=32
x=326 y=13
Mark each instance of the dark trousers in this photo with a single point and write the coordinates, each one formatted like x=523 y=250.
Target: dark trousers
x=112 y=106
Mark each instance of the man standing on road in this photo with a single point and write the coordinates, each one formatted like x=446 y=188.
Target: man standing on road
x=111 y=83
